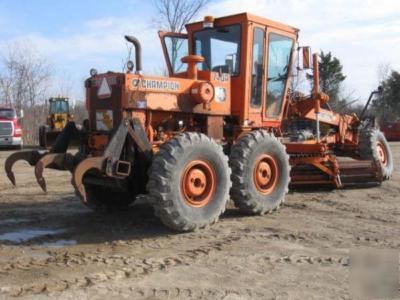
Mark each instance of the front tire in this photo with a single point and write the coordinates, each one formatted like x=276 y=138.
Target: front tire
x=374 y=146
x=260 y=172
x=189 y=182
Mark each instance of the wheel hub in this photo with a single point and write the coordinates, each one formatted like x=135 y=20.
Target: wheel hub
x=265 y=174
x=381 y=153
x=198 y=183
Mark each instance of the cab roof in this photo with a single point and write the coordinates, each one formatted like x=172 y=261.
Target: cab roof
x=246 y=17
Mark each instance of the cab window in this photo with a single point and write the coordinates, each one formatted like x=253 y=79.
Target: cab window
x=257 y=67
x=220 y=47
x=177 y=47
x=279 y=56
x=58 y=107
x=7 y=113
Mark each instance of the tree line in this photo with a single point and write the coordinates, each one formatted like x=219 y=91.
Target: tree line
x=26 y=83
x=385 y=106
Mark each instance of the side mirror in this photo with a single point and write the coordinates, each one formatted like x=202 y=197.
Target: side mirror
x=306 y=53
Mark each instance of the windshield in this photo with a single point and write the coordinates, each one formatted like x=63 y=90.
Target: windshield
x=58 y=107
x=7 y=113
x=220 y=47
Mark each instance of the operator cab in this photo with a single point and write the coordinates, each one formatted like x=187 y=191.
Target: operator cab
x=58 y=106
x=256 y=53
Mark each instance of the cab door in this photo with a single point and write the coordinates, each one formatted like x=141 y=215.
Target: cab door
x=175 y=46
x=280 y=49
x=257 y=74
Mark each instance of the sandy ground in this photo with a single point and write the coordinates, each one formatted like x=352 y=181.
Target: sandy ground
x=51 y=246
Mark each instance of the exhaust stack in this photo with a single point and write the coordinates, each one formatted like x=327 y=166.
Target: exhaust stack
x=138 y=52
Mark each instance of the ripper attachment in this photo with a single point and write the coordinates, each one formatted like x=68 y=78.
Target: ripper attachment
x=56 y=158
x=32 y=157
x=110 y=164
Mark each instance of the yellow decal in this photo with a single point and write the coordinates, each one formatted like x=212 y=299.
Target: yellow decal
x=104 y=120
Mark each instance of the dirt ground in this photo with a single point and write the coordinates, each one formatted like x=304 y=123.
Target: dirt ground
x=51 y=246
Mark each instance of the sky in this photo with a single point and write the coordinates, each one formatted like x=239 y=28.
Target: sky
x=76 y=36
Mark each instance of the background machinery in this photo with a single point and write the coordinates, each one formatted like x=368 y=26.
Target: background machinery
x=391 y=130
x=224 y=127
x=57 y=118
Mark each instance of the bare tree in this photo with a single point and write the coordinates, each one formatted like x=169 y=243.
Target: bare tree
x=383 y=71
x=129 y=49
x=173 y=16
x=24 y=76
x=79 y=112
x=24 y=81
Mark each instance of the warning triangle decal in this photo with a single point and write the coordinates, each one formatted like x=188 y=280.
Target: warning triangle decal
x=104 y=89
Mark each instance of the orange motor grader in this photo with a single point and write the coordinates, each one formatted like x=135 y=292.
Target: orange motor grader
x=223 y=125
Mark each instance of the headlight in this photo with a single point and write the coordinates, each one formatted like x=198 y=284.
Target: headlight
x=130 y=65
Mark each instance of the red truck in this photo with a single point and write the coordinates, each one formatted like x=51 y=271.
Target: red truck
x=391 y=130
x=10 y=128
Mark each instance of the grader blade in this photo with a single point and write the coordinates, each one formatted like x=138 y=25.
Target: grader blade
x=58 y=161
x=92 y=163
x=360 y=172
x=32 y=157
x=351 y=173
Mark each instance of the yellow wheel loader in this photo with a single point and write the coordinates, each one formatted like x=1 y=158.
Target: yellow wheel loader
x=58 y=117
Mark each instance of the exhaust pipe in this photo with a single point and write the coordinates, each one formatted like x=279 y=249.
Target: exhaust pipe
x=138 y=52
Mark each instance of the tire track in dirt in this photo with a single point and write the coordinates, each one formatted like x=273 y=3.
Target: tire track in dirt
x=310 y=238
x=148 y=266
x=135 y=268
x=337 y=207
x=67 y=259
x=185 y=293
x=342 y=261
x=132 y=267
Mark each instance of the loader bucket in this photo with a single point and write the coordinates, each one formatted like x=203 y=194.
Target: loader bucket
x=91 y=163
x=49 y=139
x=32 y=157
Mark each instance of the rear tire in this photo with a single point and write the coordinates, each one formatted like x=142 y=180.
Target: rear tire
x=260 y=173
x=189 y=182
x=107 y=200
x=374 y=146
